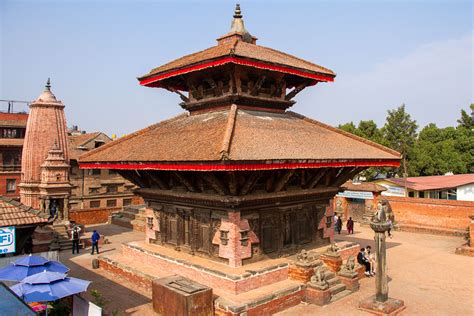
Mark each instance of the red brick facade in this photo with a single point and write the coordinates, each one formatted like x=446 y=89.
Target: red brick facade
x=432 y=213
x=92 y=216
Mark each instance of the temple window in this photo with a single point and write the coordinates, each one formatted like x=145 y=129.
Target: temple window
x=11 y=185
x=111 y=203
x=127 y=202
x=224 y=237
x=112 y=188
x=94 y=204
x=244 y=237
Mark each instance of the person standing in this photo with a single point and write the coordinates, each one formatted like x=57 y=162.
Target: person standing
x=339 y=225
x=350 y=226
x=75 y=239
x=95 y=241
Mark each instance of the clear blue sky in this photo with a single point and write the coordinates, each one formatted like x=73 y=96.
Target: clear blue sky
x=385 y=53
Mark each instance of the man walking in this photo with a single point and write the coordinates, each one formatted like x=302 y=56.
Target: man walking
x=95 y=241
x=75 y=239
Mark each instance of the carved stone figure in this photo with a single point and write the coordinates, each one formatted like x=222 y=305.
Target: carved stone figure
x=305 y=258
x=332 y=249
x=318 y=280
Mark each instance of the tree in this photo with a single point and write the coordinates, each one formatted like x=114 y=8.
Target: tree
x=400 y=133
x=466 y=120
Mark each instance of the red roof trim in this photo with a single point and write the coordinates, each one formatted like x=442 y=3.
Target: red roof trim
x=236 y=167
x=239 y=61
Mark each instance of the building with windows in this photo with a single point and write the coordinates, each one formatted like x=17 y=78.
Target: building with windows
x=448 y=187
x=96 y=188
x=12 y=133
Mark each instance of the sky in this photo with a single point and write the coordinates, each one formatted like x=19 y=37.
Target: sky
x=385 y=53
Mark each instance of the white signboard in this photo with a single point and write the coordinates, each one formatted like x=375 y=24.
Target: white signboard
x=357 y=195
x=82 y=307
x=7 y=240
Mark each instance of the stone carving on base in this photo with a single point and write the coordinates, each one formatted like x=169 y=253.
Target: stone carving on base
x=349 y=268
x=333 y=250
x=318 y=280
x=305 y=258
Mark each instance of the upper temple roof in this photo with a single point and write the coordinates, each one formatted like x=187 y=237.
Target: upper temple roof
x=238 y=47
x=236 y=135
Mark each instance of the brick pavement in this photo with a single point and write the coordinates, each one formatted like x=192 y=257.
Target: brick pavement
x=423 y=268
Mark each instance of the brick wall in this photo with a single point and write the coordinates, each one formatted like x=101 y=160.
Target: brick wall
x=432 y=213
x=3 y=184
x=92 y=216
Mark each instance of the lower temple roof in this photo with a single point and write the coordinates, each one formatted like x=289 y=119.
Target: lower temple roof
x=232 y=138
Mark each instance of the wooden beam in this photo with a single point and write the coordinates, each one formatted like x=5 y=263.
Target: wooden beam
x=347 y=175
x=232 y=183
x=258 y=85
x=215 y=183
x=315 y=179
x=184 y=181
x=284 y=179
x=250 y=183
x=295 y=91
x=156 y=179
x=182 y=96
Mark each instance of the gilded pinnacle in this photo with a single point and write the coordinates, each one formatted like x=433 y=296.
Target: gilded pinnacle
x=237 y=12
x=48 y=85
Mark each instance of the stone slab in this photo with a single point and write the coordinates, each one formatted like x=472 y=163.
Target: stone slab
x=390 y=307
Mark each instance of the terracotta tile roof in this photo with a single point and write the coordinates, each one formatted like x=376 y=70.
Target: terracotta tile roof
x=363 y=186
x=13 y=123
x=11 y=142
x=434 y=182
x=240 y=49
x=13 y=213
x=76 y=141
x=241 y=136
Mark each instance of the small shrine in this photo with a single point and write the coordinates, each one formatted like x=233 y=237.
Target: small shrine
x=45 y=164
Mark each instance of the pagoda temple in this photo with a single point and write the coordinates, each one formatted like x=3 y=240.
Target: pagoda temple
x=238 y=177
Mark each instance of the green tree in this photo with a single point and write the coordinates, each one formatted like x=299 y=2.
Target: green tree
x=466 y=120
x=400 y=133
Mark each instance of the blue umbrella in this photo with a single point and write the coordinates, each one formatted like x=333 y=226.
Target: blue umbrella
x=48 y=286
x=30 y=265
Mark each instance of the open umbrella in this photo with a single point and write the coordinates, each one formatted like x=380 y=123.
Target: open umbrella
x=48 y=286
x=30 y=265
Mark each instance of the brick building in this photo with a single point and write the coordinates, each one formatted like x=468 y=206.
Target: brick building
x=12 y=133
x=96 y=189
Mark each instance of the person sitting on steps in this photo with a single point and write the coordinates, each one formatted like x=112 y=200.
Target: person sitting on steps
x=362 y=260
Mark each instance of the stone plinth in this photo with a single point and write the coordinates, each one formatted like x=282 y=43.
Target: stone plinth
x=333 y=262
x=300 y=273
x=389 y=307
x=350 y=281
x=176 y=295
x=317 y=296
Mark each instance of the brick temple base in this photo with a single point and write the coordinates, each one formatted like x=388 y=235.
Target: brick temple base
x=465 y=250
x=390 y=307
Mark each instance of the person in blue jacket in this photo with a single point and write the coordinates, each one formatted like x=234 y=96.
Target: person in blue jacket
x=95 y=241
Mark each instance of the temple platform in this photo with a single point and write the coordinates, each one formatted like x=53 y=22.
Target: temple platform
x=263 y=287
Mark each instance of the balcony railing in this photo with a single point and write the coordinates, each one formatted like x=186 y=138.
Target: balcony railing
x=10 y=168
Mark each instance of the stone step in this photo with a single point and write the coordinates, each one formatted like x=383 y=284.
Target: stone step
x=333 y=281
x=340 y=295
x=122 y=221
x=329 y=274
x=132 y=215
x=337 y=288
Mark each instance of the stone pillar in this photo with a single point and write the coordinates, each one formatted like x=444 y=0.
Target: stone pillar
x=381 y=282
x=381 y=303
x=46 y=207
x=66 y=209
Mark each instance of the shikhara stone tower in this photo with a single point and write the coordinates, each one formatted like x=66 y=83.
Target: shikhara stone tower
x=45 y=163
x=239 y=178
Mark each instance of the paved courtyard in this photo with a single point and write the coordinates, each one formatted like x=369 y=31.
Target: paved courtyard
x=423 y=271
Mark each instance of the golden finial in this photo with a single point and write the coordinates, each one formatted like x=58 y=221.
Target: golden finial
x=237 y=12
